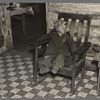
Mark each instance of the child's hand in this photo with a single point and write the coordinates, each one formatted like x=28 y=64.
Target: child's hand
x=67 y=29
x=39 y=47
x=46 y=56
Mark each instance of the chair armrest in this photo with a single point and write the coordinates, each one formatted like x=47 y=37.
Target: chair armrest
x=37 y=43
x=83 y=48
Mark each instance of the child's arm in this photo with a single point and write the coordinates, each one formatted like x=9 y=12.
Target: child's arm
x=44 y=37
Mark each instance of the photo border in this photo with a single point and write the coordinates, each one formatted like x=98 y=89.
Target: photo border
x=51 y=1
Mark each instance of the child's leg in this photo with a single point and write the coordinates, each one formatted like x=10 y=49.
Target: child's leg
x=45 y=64
x=57 y=63
x=68 y=61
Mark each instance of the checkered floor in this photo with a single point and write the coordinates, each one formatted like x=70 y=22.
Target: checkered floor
x=16 y=81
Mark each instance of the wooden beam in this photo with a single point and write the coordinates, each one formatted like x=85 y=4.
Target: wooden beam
x=74 y=15
x=18 y=11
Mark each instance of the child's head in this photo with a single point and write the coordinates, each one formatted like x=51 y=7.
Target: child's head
x=60 y=26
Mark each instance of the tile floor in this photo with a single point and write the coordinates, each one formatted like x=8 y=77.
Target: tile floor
x=16 y=80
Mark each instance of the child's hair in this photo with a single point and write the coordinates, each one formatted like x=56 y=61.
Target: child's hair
x=57 y=23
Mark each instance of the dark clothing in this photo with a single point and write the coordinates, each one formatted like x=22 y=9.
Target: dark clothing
x=56 y=46
x=61 y=47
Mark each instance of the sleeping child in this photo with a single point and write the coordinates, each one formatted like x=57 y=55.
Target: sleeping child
x=59 y=50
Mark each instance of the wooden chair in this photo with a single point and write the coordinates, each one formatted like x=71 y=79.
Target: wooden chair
x=78 y=24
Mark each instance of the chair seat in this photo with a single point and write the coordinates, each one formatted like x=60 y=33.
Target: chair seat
x=66 y=71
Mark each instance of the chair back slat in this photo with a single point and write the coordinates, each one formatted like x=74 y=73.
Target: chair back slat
x=78 y=23
x=79 y=33
x=72 y=28
x=87 y=30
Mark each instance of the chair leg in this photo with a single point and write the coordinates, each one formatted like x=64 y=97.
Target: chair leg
x=34 y=74
x=72 y=86
x=82 y=72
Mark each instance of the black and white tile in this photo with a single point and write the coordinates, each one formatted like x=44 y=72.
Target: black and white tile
x=16 y=72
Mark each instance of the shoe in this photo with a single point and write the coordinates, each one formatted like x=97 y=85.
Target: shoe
x=54 y=71
x=44 y=70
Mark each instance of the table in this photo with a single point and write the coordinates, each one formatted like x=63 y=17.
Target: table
x=97 y=58
x=22 y=11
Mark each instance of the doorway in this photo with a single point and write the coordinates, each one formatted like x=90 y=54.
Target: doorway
x=35 y=27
